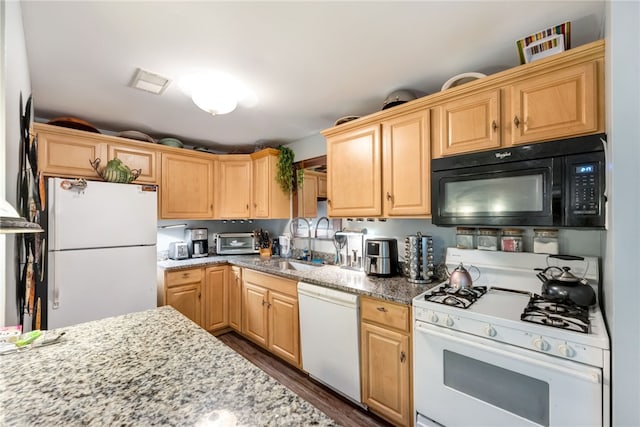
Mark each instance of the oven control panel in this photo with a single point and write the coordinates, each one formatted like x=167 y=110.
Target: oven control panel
x=538 y=342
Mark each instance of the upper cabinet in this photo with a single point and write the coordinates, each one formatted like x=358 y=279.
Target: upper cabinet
x=269 y=201
x=67 y=152
x=381 y=169
x=406 y=165
x=354 y=175
x=187 y=186
x=234 y=186
x=467 y=124
x=555 y=105
x=378 y=164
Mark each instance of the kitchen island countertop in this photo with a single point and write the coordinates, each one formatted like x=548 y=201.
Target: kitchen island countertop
x=154 y=367
x=397 y=289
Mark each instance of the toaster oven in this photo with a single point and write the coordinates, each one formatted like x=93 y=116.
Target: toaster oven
x=236 y=244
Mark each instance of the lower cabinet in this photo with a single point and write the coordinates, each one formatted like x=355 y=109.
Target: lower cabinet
x=235 y=298
x=216 y=298
x=386 y=359
x=270 y=314
x=182 y=290
x=201 y=294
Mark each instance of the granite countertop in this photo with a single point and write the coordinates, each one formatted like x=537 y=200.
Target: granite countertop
x=154 y=367
x=397 y=289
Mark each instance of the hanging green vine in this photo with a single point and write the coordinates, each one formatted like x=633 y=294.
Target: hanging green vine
x=286 y=170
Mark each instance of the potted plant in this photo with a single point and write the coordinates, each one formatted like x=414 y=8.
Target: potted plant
x=287 y=171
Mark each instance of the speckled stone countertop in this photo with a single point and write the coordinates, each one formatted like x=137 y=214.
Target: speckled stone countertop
x=155 y=367
x=396 y=289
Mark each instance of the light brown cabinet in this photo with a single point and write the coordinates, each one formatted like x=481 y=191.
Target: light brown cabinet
x=270 y=314
x=406 y=165
x=187 y=187
x=555 y=105
x=234 y=186
x=307 y=196
x=235 y=298
x=385 y=337
x=390 y=176
x=216 y=298
x=268 y=199
x=145 y=159
x=468 y=124
x=182 y=290
x=354 y=176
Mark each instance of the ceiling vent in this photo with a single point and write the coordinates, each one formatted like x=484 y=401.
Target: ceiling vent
x=149 y=82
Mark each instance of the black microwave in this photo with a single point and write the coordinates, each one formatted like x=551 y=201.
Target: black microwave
x=559 y=184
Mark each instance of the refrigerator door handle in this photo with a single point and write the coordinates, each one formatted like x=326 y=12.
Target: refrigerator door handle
x=53 y=283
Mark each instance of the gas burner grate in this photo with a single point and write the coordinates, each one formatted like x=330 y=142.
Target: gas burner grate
x=566 y=315
x=462 y=298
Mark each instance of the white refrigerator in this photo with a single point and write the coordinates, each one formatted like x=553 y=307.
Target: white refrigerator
x=101 y=250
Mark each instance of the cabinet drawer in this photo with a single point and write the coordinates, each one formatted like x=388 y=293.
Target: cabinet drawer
x=274 y=283
x=183 y=276
x=385 y=313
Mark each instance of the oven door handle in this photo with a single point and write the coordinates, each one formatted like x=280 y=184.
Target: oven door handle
x=592 y=377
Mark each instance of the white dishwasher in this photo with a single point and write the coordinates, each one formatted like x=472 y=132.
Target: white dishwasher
x=329 y=331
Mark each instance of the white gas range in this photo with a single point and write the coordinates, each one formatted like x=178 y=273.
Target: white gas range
x=501 y=369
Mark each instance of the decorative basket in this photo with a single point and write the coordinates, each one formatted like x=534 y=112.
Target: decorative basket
x=115 y=171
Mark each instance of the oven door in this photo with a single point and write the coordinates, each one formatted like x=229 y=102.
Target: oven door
x=526 y=192
x=461 y=380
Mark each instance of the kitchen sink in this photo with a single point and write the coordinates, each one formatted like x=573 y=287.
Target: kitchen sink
x=297 y=266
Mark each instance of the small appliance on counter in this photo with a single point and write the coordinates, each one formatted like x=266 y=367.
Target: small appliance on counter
x=381 y=257
x=236 y=244
x=197 y=242
x=178 y=250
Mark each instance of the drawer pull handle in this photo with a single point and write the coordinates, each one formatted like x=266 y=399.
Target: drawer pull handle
x=382 y=309
x=185 y=275
x=403 y=357
x=516 y=121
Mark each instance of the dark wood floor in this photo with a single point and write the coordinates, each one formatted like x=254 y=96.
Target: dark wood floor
x=332 y=404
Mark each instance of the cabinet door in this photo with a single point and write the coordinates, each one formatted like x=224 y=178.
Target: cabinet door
x=555 y=105
x=187 y=187
x=406 y=165
x=138 y=158
x=269 y=201
x=467 y=124
x=284 y=333
x=235 y=298
x=254 y=313
x=260 y=187
x=308 y=196
x=216 y=298
x=322 y=185
x=235 y=186
x=187 y=299
x=386 y=373
x=354 y=176
x=68 y=155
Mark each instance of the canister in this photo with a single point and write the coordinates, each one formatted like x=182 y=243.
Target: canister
x=465 y=238
x=488 y=239
x=511 y=240
x=545 y=241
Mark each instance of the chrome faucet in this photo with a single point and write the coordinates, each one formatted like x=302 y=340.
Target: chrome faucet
x=293 y=233
x=318 y=224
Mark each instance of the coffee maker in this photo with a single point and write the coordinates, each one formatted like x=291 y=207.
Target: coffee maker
x=197 y=242
x=381 y=257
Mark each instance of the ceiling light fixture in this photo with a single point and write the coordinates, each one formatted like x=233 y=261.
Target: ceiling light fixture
x=217 y=93
x=149 y=82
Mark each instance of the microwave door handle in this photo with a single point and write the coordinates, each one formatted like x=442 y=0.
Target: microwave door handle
x=592 y=377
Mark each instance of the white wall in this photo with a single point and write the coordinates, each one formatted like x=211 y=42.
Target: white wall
x=16 y=79
x=622 y=288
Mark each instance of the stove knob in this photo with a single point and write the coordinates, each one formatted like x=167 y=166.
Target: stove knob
x=541 y=344
x=449 y=321
x=433 y=318
x=566 y=350
x=490 y=331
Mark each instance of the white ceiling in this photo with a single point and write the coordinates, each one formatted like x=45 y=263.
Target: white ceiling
x=309 y=63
